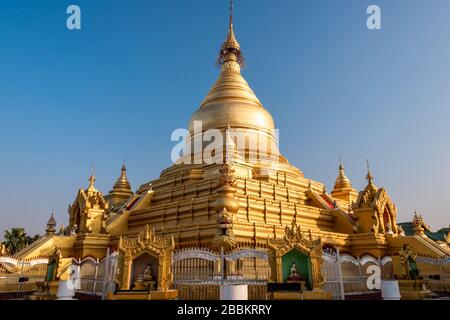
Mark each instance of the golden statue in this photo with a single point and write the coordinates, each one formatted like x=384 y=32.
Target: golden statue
x=145 y=280
x=148 y=273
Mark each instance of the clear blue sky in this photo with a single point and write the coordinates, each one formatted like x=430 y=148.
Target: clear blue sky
x=115 y=90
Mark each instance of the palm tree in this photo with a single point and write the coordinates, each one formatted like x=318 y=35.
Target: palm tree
x=30 y=240
x=15 y=240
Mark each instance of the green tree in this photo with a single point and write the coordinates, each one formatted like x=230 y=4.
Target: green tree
x=30 y=240
x=15 y=240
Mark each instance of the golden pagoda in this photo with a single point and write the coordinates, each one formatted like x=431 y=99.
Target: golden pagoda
x=237 y=203
x=121 y=190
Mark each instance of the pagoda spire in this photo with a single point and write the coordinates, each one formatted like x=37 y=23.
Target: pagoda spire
x=51 y=225
x=121 y=190
x=231 y=14
x=91 y=182
x=342 y=181
x=122 y=182
x=369 y=176
x=343 y=188
x=92 y=179
x=230 y=50
x=230 y=86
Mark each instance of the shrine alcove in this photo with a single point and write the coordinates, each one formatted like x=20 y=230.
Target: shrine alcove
x=144 y=269
x=293 y=261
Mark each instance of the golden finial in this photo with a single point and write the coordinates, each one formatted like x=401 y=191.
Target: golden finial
x=341 y=167
x=369 y=176
x=91 y=182
x=230 y=50
x=416 y=218
x=231 y=13
x=123 y=174
x=92 y=178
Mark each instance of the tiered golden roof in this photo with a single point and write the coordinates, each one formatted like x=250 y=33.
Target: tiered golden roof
x=343 y=189
x=121 y=191
x=122 y=183
x=342 y=182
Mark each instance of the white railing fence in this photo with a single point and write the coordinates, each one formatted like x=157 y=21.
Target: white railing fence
x=347 y=275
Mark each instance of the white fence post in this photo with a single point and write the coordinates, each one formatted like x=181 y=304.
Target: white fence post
x=341 y=283
x=94 y=285
x=105 y=274
x=361 y=279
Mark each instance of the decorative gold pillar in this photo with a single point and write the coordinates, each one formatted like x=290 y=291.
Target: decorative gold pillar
x=232 y=266
x=380 y=222
x=126 y=279
x=217 y=267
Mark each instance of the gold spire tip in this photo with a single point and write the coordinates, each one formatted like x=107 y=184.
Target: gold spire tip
x=231 y=13
x=230 y=50
x=369 y=176
x=91 y=181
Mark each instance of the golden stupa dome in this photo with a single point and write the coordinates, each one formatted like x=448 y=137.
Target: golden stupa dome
x=231 y=101
x=122 y=183
x=342 y=181
x=232 y=104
